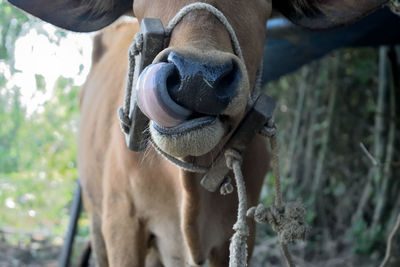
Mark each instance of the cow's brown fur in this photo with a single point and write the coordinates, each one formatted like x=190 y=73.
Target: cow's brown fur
x=144 y=211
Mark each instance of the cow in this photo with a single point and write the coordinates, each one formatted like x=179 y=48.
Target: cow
x=144 y=210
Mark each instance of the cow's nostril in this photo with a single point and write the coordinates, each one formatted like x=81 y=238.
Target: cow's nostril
x=203 y=84
x=173 y=81
x=226 y=85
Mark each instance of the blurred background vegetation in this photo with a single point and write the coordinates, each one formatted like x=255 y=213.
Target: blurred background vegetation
x=339 y=133
x=338 y=121
x=38 y=147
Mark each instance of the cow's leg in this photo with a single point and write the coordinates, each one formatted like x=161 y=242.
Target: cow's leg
x=251 y=239
x=124 y=234
x=97 y=241
x=220 y=256
x=153 y=258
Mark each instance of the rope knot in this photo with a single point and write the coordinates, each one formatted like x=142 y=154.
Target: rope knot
x=241 y=229
x=226 y=186
x=232 y=156
x=269 y=130
x=287 y=222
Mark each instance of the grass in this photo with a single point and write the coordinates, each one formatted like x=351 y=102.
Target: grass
x=35 y=205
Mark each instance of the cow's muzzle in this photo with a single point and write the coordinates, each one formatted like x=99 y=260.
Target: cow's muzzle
x=182 y=86
x=193 y=99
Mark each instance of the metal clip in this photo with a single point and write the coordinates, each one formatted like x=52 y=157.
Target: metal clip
x=153 y=43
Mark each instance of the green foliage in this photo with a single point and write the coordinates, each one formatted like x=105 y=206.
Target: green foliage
x=11 y=118
x=41 y=161
x=11 y=27
x=31 y=202
x=37 y=151
x=40 y=82
x=341 y=206
x=366 y=240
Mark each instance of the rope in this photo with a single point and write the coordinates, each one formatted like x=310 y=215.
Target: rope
x=270 y=132
x=287 y=221
x=257 y=85
x=186 y=166
x=133 y=73
x=213 y=10
x=238 y=246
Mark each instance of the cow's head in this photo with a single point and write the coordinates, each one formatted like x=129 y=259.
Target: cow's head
x=201 y=73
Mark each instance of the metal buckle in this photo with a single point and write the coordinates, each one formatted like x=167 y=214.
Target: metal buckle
x=153 y=42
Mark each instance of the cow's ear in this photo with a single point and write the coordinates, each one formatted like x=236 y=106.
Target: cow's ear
x=324 y=14
x=76 y=15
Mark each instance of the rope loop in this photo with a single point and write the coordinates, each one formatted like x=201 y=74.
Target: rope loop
x=213 y=10
x=125 y=121
x=269 y=130
x=186 y=166
x=137 y=45
x=123 y=112
x=238 y=246
x=232 y=156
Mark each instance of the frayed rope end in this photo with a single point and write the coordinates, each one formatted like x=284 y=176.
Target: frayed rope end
x=288 y=222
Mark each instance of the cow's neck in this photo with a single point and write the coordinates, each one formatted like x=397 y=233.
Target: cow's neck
x=190 y=212
x=191 y=207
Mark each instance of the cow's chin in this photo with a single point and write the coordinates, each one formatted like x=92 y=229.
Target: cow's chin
x=198 y=136
x=191 y=138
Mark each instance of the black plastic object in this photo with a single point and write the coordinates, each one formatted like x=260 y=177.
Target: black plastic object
x=253 y=122
x=289 y=47
x=153 y=42
x=76 y=208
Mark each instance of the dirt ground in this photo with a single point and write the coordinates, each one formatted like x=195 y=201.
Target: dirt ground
x=28 y=255
x=266 y=254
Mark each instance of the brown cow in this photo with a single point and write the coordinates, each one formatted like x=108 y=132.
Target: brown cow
x=148 y=204
x=144 y=211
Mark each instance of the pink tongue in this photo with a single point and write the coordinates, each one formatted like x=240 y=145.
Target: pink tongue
x=153 y=97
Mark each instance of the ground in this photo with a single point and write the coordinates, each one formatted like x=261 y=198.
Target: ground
x=28 y=255
x=266 y=254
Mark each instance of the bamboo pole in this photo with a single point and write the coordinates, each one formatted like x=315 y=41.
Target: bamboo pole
x=318 y=179
x=374 y=171
x=386 y=173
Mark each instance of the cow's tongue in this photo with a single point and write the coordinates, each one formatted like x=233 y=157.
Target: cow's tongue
x=153 y=98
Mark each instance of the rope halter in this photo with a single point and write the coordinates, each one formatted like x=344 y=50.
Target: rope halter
x=137 y=46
